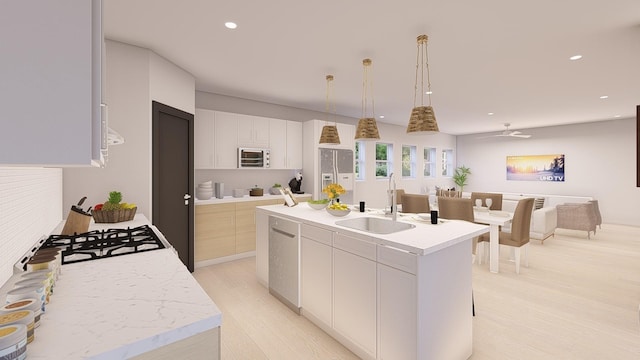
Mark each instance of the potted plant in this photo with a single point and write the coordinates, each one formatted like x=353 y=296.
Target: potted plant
x=460 y=176
x=275 y=189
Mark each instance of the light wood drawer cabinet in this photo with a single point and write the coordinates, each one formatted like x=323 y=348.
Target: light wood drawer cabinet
x=215 y=229
x=227 y=229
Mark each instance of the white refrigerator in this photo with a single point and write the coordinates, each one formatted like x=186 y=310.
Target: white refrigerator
x=337 y=166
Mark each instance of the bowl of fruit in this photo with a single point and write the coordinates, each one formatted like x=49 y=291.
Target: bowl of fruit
x=114 y=210
x=318 y=204
x=338 y=209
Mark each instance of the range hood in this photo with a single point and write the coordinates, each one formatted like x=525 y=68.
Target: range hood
x=114 y=138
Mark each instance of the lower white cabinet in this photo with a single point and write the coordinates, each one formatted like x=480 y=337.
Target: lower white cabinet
x=354 y=297
x=397 y=314
x=316 y=279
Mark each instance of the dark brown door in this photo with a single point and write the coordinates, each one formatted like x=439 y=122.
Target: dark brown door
x=173 y=178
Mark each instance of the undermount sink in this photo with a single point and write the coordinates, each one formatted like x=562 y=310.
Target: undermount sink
x=375 y=225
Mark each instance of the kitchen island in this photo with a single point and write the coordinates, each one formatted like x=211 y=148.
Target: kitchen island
x=137 y=306
x=403 y=295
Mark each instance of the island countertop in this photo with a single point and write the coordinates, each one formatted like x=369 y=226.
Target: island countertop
x=424 y=239
x=123 y=306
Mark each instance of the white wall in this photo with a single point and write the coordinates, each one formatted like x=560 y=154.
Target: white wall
x=135 y=77
x=373 y=191
x=30 y=208
x=600 y=162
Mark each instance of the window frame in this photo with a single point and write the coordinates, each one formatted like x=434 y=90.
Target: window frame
x=412 y=161
x=430 y=162
x=447 y=163
x=388 y=161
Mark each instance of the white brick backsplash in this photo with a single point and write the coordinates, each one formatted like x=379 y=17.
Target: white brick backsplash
x=30 y=208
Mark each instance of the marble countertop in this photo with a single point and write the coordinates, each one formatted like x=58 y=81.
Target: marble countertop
x=119 y=307
x=231 y=199
x=424 y=239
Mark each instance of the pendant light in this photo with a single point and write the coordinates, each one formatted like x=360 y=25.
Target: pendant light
x=422 y=119
x=329 y=133
x=367 y=128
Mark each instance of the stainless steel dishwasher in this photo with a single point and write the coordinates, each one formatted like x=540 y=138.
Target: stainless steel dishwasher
x=284 y=261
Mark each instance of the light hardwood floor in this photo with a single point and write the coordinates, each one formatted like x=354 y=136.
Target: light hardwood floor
x=578 y=299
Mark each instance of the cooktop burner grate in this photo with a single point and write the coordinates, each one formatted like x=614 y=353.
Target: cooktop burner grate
x=99 y=244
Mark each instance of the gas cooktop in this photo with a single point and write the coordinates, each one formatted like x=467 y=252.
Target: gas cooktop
x=98 y=244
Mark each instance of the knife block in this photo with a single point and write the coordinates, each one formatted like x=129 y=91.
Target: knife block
x=76 y=223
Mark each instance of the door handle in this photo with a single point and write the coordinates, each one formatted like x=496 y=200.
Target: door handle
x=186 y=198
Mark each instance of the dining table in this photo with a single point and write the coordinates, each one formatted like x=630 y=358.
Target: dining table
x=495 y=219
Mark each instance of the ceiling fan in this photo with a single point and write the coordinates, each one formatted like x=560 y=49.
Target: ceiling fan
x=506 y=133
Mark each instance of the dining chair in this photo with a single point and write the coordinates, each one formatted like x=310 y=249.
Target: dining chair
x=496 y=199
x=415 y=203
x=455 y=208
x=519 y=235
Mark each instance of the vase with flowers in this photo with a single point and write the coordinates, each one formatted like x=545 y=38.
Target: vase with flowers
x=333 y=192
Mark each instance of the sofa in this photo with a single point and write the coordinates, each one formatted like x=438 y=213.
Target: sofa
x=579 y=216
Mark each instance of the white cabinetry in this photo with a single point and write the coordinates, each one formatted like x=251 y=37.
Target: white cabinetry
x=294 y=145
x=285 y=139
x=204 y=125
x=397 y=304
x=225 y=140
x=354 y=291
x=316 y=272
x=52 y=63
x=253 y=131
x=219 y=134
x=278 y=143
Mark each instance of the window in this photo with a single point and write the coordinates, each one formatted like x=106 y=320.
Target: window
x=384 y=160
x=429 y=162
x=408 y=161
x=360 y=160
x=447 y=163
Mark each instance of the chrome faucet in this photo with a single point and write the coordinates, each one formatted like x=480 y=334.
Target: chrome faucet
x=393 y=201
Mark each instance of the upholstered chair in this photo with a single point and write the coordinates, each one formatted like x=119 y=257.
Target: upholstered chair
x=578 y=216
x=496 y=199
x=596 y=209
x=453 y=208
x=519 y=235
x=415 y=203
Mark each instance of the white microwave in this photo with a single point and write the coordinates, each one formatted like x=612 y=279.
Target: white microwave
x=253 y=158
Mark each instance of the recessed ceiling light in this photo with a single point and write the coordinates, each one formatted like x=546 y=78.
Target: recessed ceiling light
x=381 y=116
x=230 y=25
x=617 y=116
x=604 y=97
x=429 y=92
x=576 y=57
x=489 y=114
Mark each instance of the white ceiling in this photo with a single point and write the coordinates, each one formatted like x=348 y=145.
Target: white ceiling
x=502 y=56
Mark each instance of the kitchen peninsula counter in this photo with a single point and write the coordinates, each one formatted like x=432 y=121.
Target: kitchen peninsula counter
x=141 y=306
x=404 y=295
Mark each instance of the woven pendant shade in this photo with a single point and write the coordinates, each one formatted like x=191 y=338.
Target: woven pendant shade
x=367 y=128
x=329 y=133
x=422 y=119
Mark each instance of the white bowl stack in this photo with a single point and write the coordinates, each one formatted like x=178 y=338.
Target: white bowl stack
x=204 y=191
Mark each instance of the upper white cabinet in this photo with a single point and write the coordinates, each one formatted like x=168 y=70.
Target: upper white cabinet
x=225 y=141
x=285 y=139
x=203 y=138
x=218 y=136
x=52 y=69
x=294 y=145
x=253 y=131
